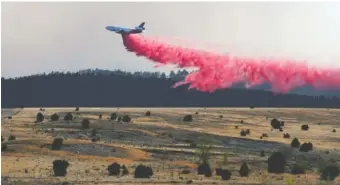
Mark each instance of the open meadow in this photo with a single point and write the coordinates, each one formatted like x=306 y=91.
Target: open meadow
x=167 y=143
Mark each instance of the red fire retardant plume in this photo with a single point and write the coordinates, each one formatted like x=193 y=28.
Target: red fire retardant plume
x=217 y=71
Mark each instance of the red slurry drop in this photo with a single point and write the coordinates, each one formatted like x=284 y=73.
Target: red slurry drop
x=217 y=71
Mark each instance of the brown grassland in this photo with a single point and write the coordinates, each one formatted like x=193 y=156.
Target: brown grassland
x=163 y=142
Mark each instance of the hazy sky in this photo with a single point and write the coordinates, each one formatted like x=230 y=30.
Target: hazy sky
x=42 y=37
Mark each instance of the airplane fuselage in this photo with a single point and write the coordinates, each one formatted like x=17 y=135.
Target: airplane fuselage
x=121 y=30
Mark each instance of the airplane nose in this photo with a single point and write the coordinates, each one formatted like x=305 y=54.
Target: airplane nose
x=110 y=28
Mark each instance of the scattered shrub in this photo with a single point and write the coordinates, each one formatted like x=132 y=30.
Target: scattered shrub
x=310 y=146
x=77 y=108
x=204 y=169
x=196 y=113
x=11 y=138
x=244 y=170
x=187 y=118
x=143 y=171
x=60 y=168
x=125 y=171
x=113 y=116
x=148 y=113
x=54 y=117
x=276 y=163
x=100 y=116
x=9 y=117
x=85 y=123
x=281 y=129
x=40 y=117
x=126 y=119
x=304 y=127
x=334 y=131
x=225 y=174
x=264 y=135
x=221 y=116
x=68 y=117
x=204 y=155
x=236 y=127
x=114 y=169
x=243 y=133
x=276 y=124
x=286 y=135
x=330 y=172
x=57 y=143
x=295 y=143
x=119 y=119
x=248 y=131
x=2 y=138
x=306 y=147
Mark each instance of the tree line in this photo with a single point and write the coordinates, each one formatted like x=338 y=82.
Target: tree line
x=104 y=88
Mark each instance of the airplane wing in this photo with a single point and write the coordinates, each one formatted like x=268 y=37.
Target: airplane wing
x=127 y=29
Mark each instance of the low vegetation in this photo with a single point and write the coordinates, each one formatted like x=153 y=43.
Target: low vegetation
x=142 y=171
x=40 y=117
x=60 y=168
x=169 y=147
x=68 y=117
x=54 y=117
x=57 y=143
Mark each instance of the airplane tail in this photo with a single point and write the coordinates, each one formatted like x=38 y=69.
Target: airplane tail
x=142 y=25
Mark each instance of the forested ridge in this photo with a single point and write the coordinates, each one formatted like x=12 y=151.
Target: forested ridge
x=104 y=88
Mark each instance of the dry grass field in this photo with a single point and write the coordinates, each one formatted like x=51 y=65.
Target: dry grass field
x=162 y=141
